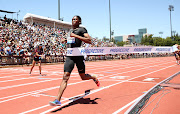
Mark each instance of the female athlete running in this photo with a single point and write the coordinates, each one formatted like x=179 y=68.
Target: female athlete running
x=76 y=36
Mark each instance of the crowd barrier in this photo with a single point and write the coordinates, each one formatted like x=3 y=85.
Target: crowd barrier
x=21 y=60
x=94 y=53
x=142 y=102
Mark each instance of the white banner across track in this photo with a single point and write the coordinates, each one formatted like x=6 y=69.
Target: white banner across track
x=116 y=50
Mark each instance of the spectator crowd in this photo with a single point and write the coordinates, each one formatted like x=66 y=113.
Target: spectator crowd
x=18 y=38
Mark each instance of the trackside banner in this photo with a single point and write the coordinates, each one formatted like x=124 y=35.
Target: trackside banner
x=116 y=50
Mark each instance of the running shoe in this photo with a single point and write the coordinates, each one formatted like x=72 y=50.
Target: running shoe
x=97 y=82
x=55 y=103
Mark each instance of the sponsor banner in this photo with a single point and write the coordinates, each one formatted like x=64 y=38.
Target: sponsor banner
x=116 y=50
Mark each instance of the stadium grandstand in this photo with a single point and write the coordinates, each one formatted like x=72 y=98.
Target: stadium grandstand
x=18 y=39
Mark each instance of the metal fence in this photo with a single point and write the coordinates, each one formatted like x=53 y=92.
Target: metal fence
x=21 y=60
x=141 y=103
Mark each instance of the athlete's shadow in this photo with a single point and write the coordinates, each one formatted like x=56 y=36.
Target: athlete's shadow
x=79 y=100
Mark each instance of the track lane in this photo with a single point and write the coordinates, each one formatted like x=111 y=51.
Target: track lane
x=104 y=82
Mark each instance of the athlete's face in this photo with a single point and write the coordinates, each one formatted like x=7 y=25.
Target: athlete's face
x=75 y=21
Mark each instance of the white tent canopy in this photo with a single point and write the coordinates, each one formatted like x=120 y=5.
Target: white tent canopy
x=32 y=18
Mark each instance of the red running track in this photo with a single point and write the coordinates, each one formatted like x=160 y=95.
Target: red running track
x=122 y=81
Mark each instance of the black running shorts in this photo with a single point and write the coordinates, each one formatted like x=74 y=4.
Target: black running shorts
x=71 y=60
x=37 y=58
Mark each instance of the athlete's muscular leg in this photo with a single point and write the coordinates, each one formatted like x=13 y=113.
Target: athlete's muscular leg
x=87 y=76
x=39 y=66
x=33 y=64
x=63 y=85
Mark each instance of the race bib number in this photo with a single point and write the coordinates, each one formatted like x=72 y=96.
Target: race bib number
x=70 y=40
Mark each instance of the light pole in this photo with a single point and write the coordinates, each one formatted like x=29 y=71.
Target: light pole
x=58 y=9
x=18 y=14
x=112 y=36
x=110 y=18
x=171 y=8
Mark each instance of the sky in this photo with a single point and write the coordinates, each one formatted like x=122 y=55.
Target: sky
x=127 y=16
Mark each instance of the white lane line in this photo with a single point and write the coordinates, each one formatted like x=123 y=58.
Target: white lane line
x=99 y=90
x=143 y=82
x=118 y=66
x=105 y=88
x=21 y=94
x=42 y=90
x=99 y=67
x=26 y=84
x=13 y=75
x=17 y=79
x=38 y=77
x=37 y=90
x=119 y=110
x=117 y=74
x=61 y=101
x=34 y=92
x=122 y=63
x=87 y=70
x=94 y=91
x=56 y=79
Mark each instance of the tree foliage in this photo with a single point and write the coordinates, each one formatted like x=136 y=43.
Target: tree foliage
x=105 y=39
x=121 y=43
x=158 y=41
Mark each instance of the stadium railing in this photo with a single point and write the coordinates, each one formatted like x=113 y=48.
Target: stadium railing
x=141 y=103
x=22 y=60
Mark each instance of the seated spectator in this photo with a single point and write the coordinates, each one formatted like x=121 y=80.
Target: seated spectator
x=27 y=57
x=21 y=52
x=8 y=50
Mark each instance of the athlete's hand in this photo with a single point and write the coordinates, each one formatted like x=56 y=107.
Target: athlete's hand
x=73 y=35
x=86 y=38
x=63 y=40
x=43 y=56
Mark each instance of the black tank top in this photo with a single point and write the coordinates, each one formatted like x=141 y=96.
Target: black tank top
x=75 y=42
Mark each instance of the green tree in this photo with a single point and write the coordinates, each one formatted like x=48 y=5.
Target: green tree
x=168 y=41
x=121 y=43
x=157 y=41
x=105 y=39
x=147 y=40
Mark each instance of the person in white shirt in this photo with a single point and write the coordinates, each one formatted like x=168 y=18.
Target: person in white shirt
x=176 y=51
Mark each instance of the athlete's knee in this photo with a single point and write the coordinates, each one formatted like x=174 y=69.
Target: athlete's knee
x=66 y=76
x=39 y=64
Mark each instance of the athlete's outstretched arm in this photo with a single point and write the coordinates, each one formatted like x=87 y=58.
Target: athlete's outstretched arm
x=63 y=40
x=86 y=38
x=38 y=54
